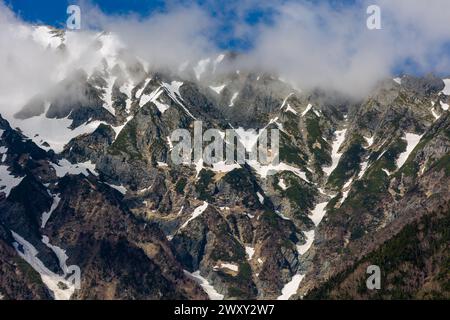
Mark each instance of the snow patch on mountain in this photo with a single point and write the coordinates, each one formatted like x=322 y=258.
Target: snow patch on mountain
x=363 y=169
x=120 y=188
x=233 y=99
x=64 y=167
x=412 y=140
x=318 y=213
x=346 y=189
x=307 y=110
x=398 y=80
x=446 y=89
x=161 y=106
x=53 y=281
x=282 y=216
x=435 y=115
x=146 y=98
x=291 y=287
x=290 y=109
x=139 y=92
x=107 y=96
x=3 y=152
x=198 y=211
x=309 y=235
x=198 y=167
x=173 y=90
x=369 y=141
x=335 y=155
x=260 y=197
x=250 y=252
x=282 y=184
x=47 y=215
x=8 y=181
x=60 y=254
x=271 y=169
x=153 y=97
x=127 y=89
x=223 y=167
x=285 y=99
x=56 y=132
x=230 y=266
x=204 y=283
x=119 y=129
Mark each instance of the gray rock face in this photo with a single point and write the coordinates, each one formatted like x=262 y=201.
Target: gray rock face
x=18 y=281
x=135 y=223
x=423 y=86
x=121 y=256
x=90 y=146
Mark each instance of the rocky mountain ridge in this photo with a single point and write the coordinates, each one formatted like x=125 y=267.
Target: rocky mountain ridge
x=95 y=155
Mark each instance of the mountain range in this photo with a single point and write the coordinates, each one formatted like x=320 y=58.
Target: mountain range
x=87 y=180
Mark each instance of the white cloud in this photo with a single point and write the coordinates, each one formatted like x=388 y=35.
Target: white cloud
x=314 y=44
x=309 y=44
x=24 y=64
x=165 y=39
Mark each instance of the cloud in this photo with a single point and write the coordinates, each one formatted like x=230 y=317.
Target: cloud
x=30 y=67
x=24 y=64
x=310 y=44
x=319 y=45
x=165 y=39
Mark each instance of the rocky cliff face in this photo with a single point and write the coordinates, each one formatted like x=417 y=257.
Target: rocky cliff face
x=60 y=216
x=100 y=190
x=18 y=280
x=414 y=265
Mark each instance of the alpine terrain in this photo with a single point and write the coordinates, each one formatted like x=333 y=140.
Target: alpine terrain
x=87 y=184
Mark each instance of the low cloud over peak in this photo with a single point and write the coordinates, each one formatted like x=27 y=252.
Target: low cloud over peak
x=308 y=44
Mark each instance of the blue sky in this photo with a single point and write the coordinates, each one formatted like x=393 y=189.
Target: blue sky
x=53 y=12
